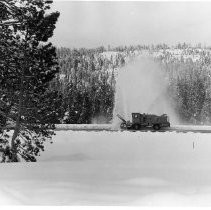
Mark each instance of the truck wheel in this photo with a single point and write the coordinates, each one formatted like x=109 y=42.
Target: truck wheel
x=156 y=127
x=123 y=126
x=136 y=126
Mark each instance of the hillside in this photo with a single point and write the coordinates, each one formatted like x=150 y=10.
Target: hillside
x=87 y=81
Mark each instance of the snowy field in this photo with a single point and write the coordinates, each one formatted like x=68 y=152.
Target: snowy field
x=114 y=168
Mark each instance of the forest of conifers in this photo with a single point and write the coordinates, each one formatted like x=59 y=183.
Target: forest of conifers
x=87 y=78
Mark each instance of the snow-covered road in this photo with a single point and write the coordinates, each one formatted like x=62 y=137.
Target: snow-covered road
x=110 y=127
x=114 y=168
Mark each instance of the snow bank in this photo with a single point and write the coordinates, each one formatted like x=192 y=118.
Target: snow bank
x=114 y=168
x=192 y=127
x=113 y=127
x=83 y=127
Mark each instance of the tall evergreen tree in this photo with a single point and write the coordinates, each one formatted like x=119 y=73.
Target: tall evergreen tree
x=27 y=65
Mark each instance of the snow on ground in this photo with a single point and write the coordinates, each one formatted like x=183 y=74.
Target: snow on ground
x=115 y=127
x=83 y=127
x=114 y=168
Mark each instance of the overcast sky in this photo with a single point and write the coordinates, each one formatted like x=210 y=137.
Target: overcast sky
x=91 y=24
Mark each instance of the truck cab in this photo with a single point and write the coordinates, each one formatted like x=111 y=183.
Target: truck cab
x=149 y=120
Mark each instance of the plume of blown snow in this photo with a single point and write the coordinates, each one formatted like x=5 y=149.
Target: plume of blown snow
x=142 y=87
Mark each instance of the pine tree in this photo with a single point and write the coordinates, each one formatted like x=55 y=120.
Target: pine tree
x=27 y=64
x=8 y=10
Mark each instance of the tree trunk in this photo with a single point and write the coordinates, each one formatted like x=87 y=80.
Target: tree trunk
x=17 y=124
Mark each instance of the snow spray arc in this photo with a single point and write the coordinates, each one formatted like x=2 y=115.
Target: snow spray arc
x=141 y=87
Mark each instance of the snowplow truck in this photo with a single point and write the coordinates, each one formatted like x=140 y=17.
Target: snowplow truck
x=140 y=121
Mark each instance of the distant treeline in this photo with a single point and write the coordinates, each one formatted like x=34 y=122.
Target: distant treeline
x=86 y=84
x=87 y=78
x=190 y=89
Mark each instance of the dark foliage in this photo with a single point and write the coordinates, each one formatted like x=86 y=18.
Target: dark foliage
x=27 y=65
